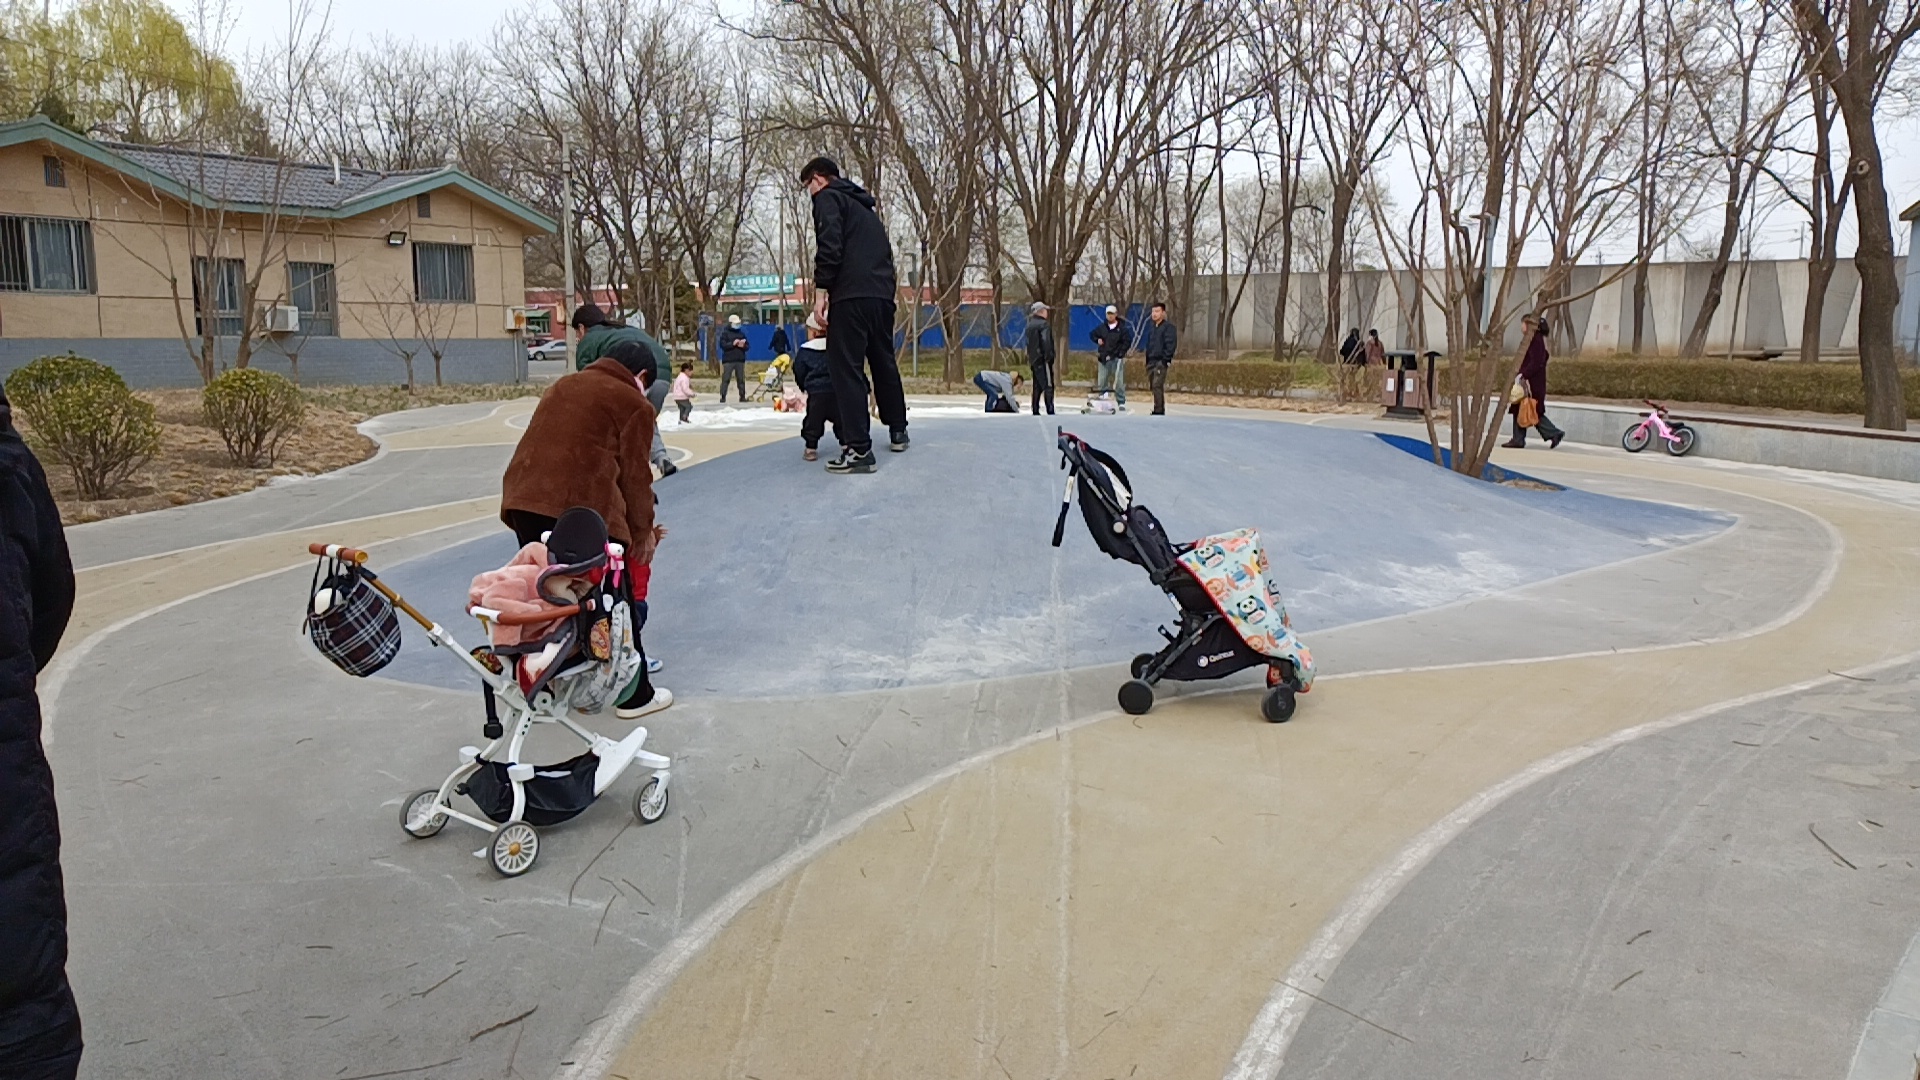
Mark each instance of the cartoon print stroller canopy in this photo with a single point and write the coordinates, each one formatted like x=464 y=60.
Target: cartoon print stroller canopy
x=1231 y=614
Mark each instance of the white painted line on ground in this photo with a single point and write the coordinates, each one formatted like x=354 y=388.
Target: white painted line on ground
x=1264 y=1051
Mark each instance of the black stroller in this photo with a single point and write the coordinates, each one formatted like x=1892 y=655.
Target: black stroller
x=1231 y=617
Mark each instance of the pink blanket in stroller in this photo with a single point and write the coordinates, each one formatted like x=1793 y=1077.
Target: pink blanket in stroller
x=513 y=590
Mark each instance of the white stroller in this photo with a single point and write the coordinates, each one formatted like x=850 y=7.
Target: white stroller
x=582 y=666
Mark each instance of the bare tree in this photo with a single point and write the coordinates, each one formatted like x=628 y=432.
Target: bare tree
x=1083 y=96
x=1346 y=54
x=923 y=69
x=1740 y=88
x=1852 y=47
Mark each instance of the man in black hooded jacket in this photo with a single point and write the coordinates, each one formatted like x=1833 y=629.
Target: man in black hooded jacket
x=854 y=291
x=39 y=1025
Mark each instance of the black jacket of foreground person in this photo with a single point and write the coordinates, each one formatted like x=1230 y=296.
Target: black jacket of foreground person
x=39 y=1025
x=853 y=259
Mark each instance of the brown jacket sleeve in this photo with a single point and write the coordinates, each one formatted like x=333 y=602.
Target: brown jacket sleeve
x=636 y=479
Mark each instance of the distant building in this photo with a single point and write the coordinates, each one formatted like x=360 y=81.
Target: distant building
x=99 y=243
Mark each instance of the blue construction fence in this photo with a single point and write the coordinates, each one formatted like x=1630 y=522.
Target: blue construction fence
x=976 y=321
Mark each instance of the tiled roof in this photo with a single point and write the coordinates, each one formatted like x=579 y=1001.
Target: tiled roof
x=263 y=181
x=252 y=185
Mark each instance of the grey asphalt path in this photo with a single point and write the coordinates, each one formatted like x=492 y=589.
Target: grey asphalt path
x=390 y=482
x=244 y=904
x=1728 y=898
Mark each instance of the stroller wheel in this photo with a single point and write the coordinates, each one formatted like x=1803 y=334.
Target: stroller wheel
x=1278 y=704
x=417 y=816
x=1136 y=697
x=650 y=805
x=514 y=848
x=1140 y=664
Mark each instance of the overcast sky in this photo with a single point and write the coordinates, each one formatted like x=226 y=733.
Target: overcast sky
x=256 y=23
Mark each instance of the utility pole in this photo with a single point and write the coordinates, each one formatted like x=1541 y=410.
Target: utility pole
x=566 y=244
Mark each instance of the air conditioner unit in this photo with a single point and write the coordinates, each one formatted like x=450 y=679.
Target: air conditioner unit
x=516 y=320
x=283 y=319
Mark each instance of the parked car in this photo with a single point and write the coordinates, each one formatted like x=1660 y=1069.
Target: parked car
x=551 y=349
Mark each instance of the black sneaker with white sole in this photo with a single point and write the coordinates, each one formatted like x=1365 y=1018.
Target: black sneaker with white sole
x=852 y=461
x=899 y=442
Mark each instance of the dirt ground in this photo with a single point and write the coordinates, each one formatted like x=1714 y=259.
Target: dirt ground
x=193 y=466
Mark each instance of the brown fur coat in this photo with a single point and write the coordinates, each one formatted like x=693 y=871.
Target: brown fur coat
x=589 y=444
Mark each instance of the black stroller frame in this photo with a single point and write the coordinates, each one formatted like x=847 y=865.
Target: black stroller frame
x=1203 y=644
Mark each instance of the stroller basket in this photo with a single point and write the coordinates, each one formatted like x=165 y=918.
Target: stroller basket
x=1230 y=614
x=554 y=794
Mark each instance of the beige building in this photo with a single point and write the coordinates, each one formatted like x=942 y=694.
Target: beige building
x=157 y=260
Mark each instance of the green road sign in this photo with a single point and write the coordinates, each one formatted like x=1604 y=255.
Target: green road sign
x=754 y=284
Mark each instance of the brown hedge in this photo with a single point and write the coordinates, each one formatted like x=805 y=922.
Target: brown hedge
x=1827 y=388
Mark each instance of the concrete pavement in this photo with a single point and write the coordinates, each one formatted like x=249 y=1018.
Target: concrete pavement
x=955 y=877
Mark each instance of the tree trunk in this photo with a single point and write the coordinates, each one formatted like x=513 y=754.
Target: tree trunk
x=1879 y=287
x=1813 y=319
x=1640 y=305
x=1280 y=350
x=1337 y=213
x=1696 y=343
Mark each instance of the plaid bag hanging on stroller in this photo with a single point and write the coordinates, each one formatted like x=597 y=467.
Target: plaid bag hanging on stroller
x=576 y=653
x=1231 y=617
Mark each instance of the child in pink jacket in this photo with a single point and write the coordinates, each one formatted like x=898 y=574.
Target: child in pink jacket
x=682 y=393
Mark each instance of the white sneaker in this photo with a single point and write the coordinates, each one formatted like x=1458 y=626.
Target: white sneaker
x=654 y=665
x=662 y=697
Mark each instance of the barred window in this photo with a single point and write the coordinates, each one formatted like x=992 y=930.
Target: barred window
x=55 y=170
x=443 y=273
x=224 y=281
x=45 y=255
x=310 y=287
x=423 y=205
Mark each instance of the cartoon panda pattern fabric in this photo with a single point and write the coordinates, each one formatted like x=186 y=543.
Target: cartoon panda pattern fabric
x=1233 y=569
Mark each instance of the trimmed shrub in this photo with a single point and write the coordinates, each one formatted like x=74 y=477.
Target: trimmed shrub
x=254 y=411
x=80 y=413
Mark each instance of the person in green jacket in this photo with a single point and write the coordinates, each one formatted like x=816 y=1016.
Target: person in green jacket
x=601 y=334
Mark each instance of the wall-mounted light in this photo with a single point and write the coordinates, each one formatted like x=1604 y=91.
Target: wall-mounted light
x=396 y=239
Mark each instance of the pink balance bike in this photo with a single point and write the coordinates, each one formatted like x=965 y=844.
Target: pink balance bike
x=1678 y=437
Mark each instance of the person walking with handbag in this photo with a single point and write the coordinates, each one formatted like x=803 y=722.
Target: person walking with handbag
x=1159 y=343
x=1529 y=394
x=1040 y=354
x=855 y=291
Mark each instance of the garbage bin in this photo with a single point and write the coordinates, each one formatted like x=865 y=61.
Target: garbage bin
x=1404 y=391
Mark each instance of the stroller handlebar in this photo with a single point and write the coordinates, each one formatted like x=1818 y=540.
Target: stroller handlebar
x=337 y=551
x=500 y=618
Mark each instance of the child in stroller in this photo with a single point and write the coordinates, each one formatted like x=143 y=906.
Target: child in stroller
x=1231 y=617
x=562 y=642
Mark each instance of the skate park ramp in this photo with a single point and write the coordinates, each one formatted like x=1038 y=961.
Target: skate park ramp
x=780 y=579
